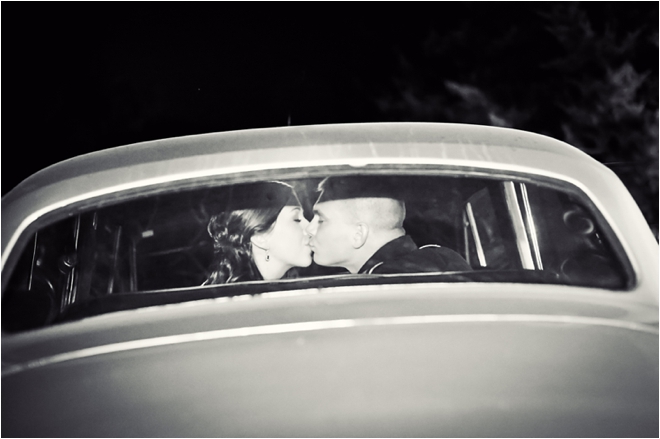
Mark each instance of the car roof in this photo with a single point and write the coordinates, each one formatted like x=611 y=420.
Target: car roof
x=204 y=145
x=146 y=164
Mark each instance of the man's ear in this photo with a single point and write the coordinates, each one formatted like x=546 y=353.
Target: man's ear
x=260 y=240
x=360 y=234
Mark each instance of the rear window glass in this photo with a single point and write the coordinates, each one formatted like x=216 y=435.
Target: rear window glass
x=380 y=229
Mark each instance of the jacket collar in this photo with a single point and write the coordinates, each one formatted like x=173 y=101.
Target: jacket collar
x=394 y=249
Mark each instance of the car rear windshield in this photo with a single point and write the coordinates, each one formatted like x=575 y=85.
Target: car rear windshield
x=273 y=235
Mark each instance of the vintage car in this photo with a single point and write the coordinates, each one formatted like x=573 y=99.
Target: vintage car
x=109 y=328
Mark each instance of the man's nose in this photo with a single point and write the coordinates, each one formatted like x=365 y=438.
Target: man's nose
x=311 y=227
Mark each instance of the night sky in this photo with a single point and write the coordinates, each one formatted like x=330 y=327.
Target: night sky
x=80 y=77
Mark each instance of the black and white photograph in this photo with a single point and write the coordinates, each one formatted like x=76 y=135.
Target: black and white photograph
x=330 y=219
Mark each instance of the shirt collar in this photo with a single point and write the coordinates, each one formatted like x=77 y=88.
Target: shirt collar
x=394 y=249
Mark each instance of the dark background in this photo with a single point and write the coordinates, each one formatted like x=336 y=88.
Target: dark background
x=82 y=77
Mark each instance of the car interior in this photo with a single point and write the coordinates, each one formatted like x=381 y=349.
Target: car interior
x=509 y=230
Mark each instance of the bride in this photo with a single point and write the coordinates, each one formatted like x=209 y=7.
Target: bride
x=260 y=237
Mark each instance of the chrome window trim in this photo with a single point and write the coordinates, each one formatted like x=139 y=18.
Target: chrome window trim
x=531 y=227
x=518 y=225
x=475 y=235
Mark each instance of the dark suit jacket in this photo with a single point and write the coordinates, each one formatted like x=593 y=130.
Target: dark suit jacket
x=403 y=256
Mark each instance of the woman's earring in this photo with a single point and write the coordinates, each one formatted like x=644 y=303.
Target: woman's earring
x=267 y=256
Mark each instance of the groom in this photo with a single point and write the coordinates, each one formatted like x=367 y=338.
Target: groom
x=358 y=225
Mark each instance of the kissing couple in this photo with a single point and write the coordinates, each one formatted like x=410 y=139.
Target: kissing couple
x=357 y=225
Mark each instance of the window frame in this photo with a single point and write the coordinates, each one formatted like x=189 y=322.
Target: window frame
x=173 y=186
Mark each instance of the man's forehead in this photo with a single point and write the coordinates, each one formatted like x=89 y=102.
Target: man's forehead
x=330 y=207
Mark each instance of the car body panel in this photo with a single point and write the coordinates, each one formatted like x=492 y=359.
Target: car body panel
x=329 y=304
x=307 y=311
x=371 y=363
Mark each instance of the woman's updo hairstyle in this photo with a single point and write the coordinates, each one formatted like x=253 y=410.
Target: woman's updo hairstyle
x=250 y=209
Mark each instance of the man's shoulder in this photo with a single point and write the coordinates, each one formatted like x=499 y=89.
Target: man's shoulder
x=428 y=258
